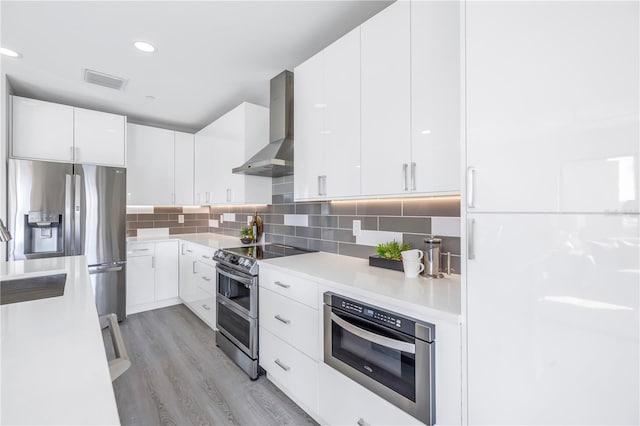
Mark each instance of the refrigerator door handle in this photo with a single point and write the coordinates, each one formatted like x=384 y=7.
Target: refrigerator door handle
x=78 y=249
x=68 y=232
x=101 y=270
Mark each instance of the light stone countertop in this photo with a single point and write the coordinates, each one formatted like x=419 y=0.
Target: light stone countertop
x=54 y=367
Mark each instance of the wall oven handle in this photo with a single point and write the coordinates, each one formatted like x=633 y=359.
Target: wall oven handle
x=234 y=276
x=375 y=338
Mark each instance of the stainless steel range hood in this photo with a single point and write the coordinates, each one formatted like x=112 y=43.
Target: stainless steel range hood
x=276 y=159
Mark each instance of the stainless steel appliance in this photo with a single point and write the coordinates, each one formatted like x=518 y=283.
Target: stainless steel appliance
x=388 y=353
x=61 y=209
x=276 y=159
x=237 y=300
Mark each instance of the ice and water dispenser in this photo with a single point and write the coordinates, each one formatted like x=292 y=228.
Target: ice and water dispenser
x=43 y=233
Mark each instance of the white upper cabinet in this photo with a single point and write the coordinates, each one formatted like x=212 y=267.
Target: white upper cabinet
x=183 y=168
x=327 y=111
x=99 y=138
x=435 y=97
x=386 y=101
x=552 y=115
x=41 y=130
x=227 y=143
x=53 y=132
x=151 y=163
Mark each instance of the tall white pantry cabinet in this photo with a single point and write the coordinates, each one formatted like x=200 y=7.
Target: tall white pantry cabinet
x=552 y=287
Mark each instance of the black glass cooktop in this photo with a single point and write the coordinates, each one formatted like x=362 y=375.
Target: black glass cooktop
x=268 y=251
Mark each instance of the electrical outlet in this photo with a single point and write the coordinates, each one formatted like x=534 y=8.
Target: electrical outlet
x=357 y=227
x=222 y=218
x=180 y=218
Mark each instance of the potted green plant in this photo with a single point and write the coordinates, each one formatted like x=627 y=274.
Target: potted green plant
x=389 y=255
x=246 y=236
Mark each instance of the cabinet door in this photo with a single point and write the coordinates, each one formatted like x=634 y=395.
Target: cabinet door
x=140 y=280
x=255 y=189
x=186 y=271
x=150 y=165
x=552 y=114
x=166 y=270
x=99 y=138
x=435 y=97
x=228 y=133
x=183 y=168
x=561 y=317
x=340 y=143
x=309 y=111
x=386 y=101
x=204 y=170
x=41 y=130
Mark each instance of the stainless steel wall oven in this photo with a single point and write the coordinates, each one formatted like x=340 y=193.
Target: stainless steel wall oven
x=390 y=354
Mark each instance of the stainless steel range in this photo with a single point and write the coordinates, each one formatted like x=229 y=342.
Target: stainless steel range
x=237 y=300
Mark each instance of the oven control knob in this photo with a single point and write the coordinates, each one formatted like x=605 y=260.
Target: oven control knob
x=234 y=259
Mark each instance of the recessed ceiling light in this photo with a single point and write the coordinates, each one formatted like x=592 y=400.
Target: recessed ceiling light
x=144 y=46
x=8 y=52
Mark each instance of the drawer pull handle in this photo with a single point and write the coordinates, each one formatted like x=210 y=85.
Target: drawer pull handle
x=207 y=279
x=207 y=307
x=281 y=284
x=361 y=422
x=206 y=257
x=189 y=251
x=282 y=365
x=144 y=249
x=284 y=320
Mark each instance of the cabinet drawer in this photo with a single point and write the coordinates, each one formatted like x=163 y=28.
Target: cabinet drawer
x=293 y=322
x=294 y=371
x=201 y=253
x=141 y=249
x=205 y=278
x=299 y=289
x=354 y=404
x=205 y=308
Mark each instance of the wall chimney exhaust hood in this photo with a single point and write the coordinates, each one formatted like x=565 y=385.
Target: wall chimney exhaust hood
x=276 y=159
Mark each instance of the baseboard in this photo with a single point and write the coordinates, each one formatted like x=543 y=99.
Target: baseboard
x=153 y=305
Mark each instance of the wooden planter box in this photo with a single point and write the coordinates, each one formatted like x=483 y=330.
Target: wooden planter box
x=381 y=262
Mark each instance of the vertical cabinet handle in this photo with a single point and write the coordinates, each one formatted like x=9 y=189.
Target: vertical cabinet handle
x=207 y=197
x=173 y=198
x=405 y=185
x=228 y=195
x=413 y=176
x=193 y=267
x=322 y=185
x=471 y=251
x=319 y=185
x=153 y=261
x=471 y=187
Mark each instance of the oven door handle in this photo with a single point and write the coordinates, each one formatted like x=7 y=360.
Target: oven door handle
x=375 y=338
x=234 y=276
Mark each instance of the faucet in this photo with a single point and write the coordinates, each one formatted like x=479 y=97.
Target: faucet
x=5 y=235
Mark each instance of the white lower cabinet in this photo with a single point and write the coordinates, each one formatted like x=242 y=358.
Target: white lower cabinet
x=198 y=281
x=291 y=370
x=341 y=401
x=152 y=275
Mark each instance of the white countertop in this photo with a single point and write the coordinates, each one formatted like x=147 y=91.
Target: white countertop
x=430 y=298
x=205 y=239
x=54 y=366
x=426 y=297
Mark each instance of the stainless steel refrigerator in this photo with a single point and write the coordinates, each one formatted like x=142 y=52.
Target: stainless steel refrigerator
x=61 y=209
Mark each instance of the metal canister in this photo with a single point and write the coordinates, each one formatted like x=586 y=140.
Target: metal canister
x=431 y=257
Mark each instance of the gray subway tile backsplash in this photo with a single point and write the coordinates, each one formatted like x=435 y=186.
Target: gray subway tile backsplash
x=414 y=225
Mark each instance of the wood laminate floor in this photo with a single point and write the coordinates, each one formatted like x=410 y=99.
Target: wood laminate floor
x=179 y=377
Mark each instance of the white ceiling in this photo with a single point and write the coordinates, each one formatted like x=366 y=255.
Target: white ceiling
x=212 y=55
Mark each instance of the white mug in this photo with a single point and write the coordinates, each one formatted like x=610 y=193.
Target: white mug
x=412 y=268
x=413 y=254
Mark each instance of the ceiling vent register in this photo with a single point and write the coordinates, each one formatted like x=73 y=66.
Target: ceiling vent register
x=104 y=80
